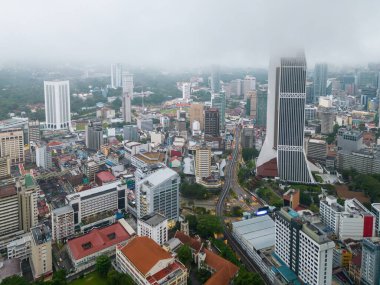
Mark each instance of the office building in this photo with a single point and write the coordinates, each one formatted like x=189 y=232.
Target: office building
x=16 y=123
x=34 y=131
x=165 y=122
x=145 y=124
x=9 y=210
x=330 y=211
x=41 y=252
x=28 y=195
x=303 y=248
x=215 y=79
x=363 y=161
x=197 y=114
x=130 y=133
x=116 y=73
x=186 y=91
x=310 y=113
x=367 y=79
x=218 y=101
x=86 y=203
x=43 y=156
x=57 y=105
x=320 y=81
x=248 y=137
x=5 y=167
x=349 y=140
x=261 y=108
x=375 y=209
x=327 y=118
x=154 y=226
x=147 y=263
x=317 y=149
x=94 y=136
x=127 y=83
x=249 y=84
x=21 y=247
x=370 y=273
x=84 y=250
x=236 y=87
x=126 y=107
x=12 y=145
x=202 y=162
x=211 y=122
x=158 y=192
x=62 y=223
x=283 y=154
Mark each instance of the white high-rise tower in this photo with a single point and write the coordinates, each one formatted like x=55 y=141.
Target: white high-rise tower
x=127 y=83
x=186 y=91
x=127 y=96
x=283 y=153
x=57 y=104
x=116 y=73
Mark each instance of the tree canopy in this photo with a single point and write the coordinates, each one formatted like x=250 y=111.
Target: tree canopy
x=208 y=225
x=194 y=191
x=184 y=255
x=103 y=265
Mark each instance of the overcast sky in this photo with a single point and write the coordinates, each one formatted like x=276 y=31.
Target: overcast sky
x=192 y=33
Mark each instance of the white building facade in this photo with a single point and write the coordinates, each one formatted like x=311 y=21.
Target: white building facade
x=57 y=104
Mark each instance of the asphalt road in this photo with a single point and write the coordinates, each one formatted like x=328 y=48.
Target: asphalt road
x=231 y=182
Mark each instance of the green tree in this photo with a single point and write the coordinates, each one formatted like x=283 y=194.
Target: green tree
x=103 y=265
x=117 y=278
x=194 y=191
x=184 y=255
x=245 y=277
x=208 y=225
x=193 y=222
x=116 y=104
x=14 y=280
x=249 y=153
x=236 y=211
x=203 y=275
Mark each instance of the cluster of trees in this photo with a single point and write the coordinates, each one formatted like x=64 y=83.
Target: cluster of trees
x=248 y=278
x=366 y=183
x=103 y=268
x=331 y=137
x=270 y=197
x=204 y=225
x=194 y=191
x=249 y=153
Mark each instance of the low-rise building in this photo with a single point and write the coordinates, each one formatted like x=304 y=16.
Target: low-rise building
x=147 y=263
x=84 y=250
x=20 y=248
x=154 y=226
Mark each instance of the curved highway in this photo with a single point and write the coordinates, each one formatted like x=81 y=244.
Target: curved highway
x=229 y=182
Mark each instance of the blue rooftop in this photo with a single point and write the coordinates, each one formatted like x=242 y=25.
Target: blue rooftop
x=285 y=271
x=293 y=214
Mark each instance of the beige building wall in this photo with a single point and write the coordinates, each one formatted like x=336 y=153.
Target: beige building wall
x=12 y=145
x=202 y=162
x=196 y=114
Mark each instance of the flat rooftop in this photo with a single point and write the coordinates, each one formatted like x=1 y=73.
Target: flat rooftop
x=259 y=232
x=153 y=219
x=41 y=234
x=8 y=190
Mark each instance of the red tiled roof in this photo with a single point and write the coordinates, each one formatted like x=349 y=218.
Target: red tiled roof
x=224 y=269
x=162 y=274
x=54 y=143
x=105 y=176
x=144 y=253
x=185 y=239
x=99 y=240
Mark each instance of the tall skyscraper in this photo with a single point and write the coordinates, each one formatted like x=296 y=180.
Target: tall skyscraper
x=127 y=83
x=283 y=152
x=212 y=122
x=12 y=145
x=130 y=133
x=94 y=136
x=116 y=72
x=249 y=84
x=186 y=91
x=202 y=162
x=196 y=114
x=34 y=131
x=218 y=101
x=320 y=81
x=57 y=104
x=215 y=79
x=28 y=195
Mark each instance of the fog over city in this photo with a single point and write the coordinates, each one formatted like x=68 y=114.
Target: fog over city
x=176 y=34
